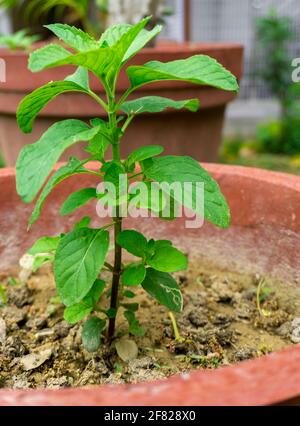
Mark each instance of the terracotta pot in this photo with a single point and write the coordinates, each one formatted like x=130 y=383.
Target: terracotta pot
x=264 y=238
x=198 y=135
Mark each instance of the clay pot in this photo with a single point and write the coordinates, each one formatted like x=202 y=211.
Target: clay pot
x=264 y=238
x=195 y=134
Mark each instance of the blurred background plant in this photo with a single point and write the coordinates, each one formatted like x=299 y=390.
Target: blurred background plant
x=277 y=142
x=93 y=16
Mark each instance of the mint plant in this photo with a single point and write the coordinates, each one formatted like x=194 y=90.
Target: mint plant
x=80 y=256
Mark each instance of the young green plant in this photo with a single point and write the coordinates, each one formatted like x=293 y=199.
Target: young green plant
x=80 y=255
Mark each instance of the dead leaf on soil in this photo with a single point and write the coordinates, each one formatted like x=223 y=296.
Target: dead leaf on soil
x=127 y=349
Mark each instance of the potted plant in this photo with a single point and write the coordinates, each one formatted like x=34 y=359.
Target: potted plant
x=204 y=128
x=104 y=290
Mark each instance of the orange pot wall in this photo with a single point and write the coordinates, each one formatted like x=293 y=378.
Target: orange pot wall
x=264 y=238
x=196 y=134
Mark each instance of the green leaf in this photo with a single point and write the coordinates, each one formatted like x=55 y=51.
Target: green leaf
x=78 y=261
x=129 y=294
x=100 y=61
x=168 y=259
x=132 y=241
x=199 y=69
x=73 y=37
x=77 y=199
x=172 y=169
x=140 y=41
x=152 y=104
x=44 y=245
x=133 y=38
x=134 y=274
x=91 y=333
x=36 y=161
x=101 y=141
x=77 y=312
x=134 y=326
x=73 y=167
x=80 y=77
x=113 y=34
x=83 y=223
x=33 y=103
x=164 y=289
x=143 y=153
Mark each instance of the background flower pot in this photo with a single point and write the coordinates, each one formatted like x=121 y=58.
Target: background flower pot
x=195 y=134
x=264 y=238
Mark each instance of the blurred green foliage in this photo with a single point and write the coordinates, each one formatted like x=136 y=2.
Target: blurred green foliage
x=274 y=33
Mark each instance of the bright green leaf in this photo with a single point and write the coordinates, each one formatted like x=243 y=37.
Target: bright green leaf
x=164 y=289
x=172 y=169
x=33 y=103
x=91 y=333
x=77 y=199
x=74 y=37
x=77 y=312
x=199 y=69
x=168 y=259
x=132 y=241
x=143 y=153
x=134 y=274
x=73 y=167
x=78 y=261
x=100 y=61
x=140 y=41
x=44 y=245
x=83 y=223
x=36 y=161
x=152 y=104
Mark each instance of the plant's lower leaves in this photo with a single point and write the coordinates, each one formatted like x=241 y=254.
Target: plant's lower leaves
x=91 y=333
x=79 y=258
x=44 y=245
x=164 y=289
x=132 y=241
x=134 y=274
x=167 y=259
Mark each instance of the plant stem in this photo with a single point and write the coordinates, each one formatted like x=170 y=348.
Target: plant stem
x=177 y=336
x=117 y=269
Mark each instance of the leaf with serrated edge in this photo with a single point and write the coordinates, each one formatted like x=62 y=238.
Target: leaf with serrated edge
x=199 y=69
x=78 y=261
x=153 y=104
x=164 y=289
x=36 y=161
x=74 y=37
x=33 y=103
x=166 y=169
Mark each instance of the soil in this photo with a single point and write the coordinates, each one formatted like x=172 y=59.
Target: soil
x=220 y=325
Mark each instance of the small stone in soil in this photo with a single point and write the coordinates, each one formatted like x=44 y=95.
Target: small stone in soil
x=197 y=319
x=244 y=354
x=2 y=331
x=56 y=383
x=295 y=335
x=36 y=323
x=20 y=296
x=14 y=347
x=35 y=360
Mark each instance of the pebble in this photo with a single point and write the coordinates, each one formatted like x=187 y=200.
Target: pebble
x=197 y=319
x=221 y=292
x=14 y=347
x=36 y=323
x=2 y=331
x=295 y=334
x=59 y=382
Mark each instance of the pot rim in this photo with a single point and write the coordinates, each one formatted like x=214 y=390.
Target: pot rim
x=270 y=379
